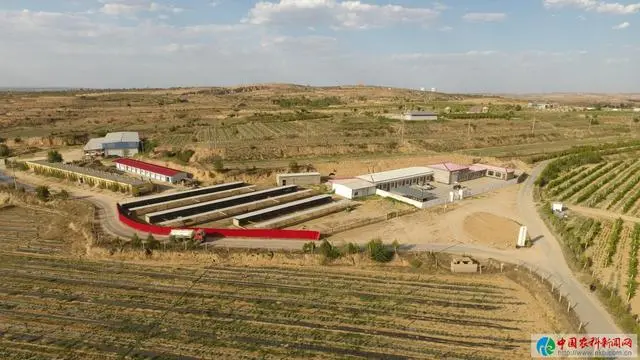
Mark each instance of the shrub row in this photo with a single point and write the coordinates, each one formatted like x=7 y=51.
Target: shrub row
x=604 y=149
x=565 y=178
x=589 y=191
x=588 y=177
x=631 y=202
x=632 y=284
x=612 y=241
x=376 y=250
x=569 y=184
x=595 y=176
x=623 y=192
x=558 y=166
x=570 y=237
x=600 y=196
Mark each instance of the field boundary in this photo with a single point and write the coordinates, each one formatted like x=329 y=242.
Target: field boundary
x=222 y=233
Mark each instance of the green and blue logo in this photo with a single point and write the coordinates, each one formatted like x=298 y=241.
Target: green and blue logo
x=546 y=346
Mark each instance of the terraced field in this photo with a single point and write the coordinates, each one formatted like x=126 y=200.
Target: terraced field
x=56 y=306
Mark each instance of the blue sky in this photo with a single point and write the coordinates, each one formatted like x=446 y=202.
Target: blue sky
x=452 y=45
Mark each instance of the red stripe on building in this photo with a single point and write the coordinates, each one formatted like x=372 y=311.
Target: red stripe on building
x=156 y=169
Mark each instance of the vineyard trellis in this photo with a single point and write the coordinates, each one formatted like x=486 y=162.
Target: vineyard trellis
x=605 y=191
x=632 y=271
x=612 y=241
x=593 y=177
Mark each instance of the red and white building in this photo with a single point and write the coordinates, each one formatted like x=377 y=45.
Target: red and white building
x=151 y=171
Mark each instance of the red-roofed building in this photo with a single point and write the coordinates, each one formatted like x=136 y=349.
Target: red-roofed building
x=447 y=172
x=151 y=171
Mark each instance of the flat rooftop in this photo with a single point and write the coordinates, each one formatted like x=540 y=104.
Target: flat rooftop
x=184 y=194
x=282 y=206
x=299 y=174
x=354 y=184
x=89 y=172
x=398 y=174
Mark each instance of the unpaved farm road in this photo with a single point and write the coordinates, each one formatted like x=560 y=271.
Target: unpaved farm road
x=600 y=213
x=545 y=257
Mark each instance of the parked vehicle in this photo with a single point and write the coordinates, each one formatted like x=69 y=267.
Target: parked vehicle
x=188 y=234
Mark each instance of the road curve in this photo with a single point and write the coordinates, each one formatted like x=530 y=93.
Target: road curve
x=545 y=257
x=550 y=259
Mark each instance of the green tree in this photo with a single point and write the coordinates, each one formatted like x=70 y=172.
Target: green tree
x=396 y=246
x=218 y=165
x=378 y=251
x=136 y=242
x=43 y=193
x=4 y=150
x=151 y=243
x=309 y=247
x=293 y=166
x=53 y=156
x=329 y=251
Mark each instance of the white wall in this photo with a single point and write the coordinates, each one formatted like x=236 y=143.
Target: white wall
x=347 y=192
x=441 y=176
x=403 y=199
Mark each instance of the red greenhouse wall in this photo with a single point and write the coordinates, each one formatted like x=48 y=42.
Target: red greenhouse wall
x=240 y=233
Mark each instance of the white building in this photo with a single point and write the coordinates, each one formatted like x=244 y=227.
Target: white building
x=151 y=171
x=419 y=116
x=353 y=188
x=308 y=178
x=122 y=144
x=389 y=180
x=365 y=185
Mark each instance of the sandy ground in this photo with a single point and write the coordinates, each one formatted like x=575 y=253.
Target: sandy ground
x=488 y=220
x=481 y=226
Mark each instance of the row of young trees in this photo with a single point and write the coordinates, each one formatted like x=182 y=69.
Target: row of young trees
x=556 y=167
x=632 y=272
x=60 y=174
x=612 y=241
x=375 y=249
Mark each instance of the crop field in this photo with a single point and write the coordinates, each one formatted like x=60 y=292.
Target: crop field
x=271 y=122
x=612 y=185
x=53 y=305
x=607 y=249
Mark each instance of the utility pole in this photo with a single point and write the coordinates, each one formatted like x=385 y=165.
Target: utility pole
x=533 y=126
x=15 y=183
x=469 y=128
x=402 y=133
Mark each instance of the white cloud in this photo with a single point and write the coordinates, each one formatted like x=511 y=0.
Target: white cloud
x=445 y=28
x=94 y=50
x=337 y=14
x=484 y=17
x=594 y=6
x=132 y=7
x=621 y=26
x=617 y=61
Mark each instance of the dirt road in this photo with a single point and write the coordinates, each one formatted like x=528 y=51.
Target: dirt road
x=548 y=257
x=600 y=213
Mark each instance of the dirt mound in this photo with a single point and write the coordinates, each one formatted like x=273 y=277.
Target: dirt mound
x=488 y=228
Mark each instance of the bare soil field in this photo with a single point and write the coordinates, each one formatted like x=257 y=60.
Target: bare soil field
x=57 y=302
x=486 y=227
